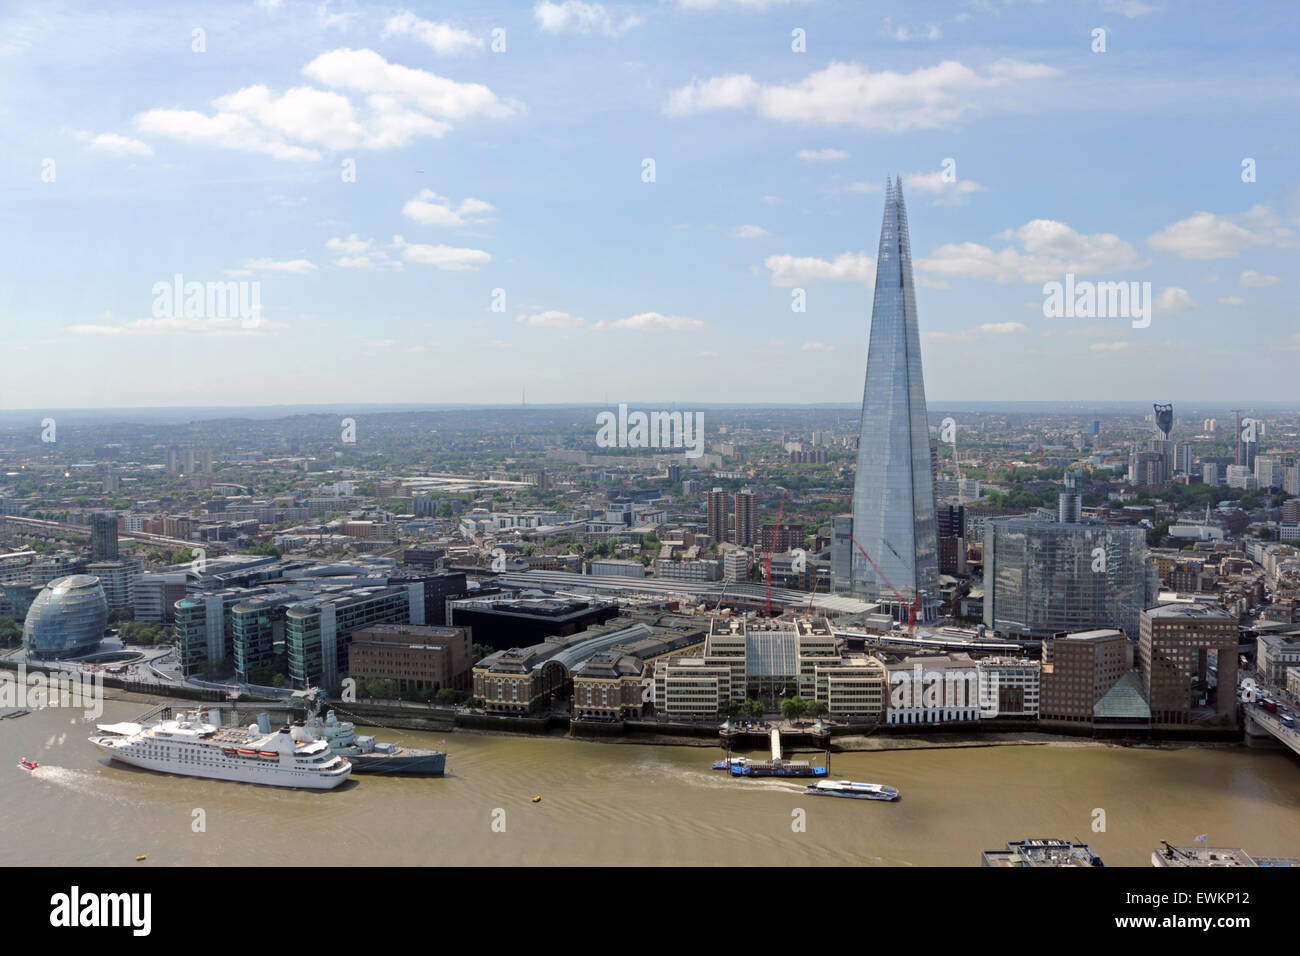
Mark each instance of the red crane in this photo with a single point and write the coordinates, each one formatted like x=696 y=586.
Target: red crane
x=767 y=612
x=911 y=616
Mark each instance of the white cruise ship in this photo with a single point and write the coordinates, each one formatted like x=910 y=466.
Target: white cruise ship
x=191 y=747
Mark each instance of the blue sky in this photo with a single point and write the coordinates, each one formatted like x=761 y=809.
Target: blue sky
x=130 y=157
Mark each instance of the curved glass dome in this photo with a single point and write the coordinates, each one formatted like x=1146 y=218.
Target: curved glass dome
x=67 y=618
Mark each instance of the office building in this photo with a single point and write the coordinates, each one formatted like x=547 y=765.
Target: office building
x=1078 y=671
x=715 y=522
x=103 y=536
x=319 y=629
x=1187 y=655
x=416 y=658
x=746 y=518
x=893 y=493
x=1044 y=577
x=501 y=622
x=67 y=619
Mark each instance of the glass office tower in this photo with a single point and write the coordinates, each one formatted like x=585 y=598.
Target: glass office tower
x=1042 y=577
x=893 y=495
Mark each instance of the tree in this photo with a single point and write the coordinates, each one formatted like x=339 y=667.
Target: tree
x=10 y=632
x=753 y=708
x=817 y=708
x=277 y=680
x=792 y=708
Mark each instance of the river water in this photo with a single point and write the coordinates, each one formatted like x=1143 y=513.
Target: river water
x=612 y=804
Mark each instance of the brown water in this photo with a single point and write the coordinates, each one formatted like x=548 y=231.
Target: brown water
x=627 y=804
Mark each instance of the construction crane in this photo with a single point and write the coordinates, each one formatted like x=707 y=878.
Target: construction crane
x=767 y=611
x=911 y=616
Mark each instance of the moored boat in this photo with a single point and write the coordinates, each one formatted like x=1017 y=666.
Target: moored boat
x=193 y=747
x=776 y=768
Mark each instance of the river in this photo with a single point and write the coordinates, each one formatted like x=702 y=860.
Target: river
x=612 y=804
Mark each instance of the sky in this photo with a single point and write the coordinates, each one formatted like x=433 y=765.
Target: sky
x=628 y=201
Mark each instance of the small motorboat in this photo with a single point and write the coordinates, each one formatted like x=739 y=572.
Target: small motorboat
x=27 y=764
x=730 y=762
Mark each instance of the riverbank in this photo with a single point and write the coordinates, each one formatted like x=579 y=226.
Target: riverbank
x=848 y=743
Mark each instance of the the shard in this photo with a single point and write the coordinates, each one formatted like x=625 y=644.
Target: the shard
x=893 y=495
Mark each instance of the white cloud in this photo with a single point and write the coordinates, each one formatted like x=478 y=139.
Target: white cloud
x=1108 y=346
x=652 y=322
x=861 y=187
x=433 y=210
x=367 y=72
x=1174 y=299
x=1231 y=300
x=357 y=253
x=399 y=105
x=497 y=344
x=1207 y=235
x=790 y=270
x=178 y=325
x=352 y=245
x=733 y=91
x=299 y=267
x=117 y=145
x=442 y=38
x=847 y=93
x=446 y=258
x=733 y=4
x=579 y=17
x=1050 y=250
x=551 y=319
x=987 y=330
x=952 y=192
x=749 y=232
x=904 y=33
x=1128 y=8
x=821 y=155
x=1251 y=279
x=223 y=130
x=816 y=347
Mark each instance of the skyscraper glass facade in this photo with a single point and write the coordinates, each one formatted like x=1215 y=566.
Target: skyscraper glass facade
x=1042 y=577
x=893 y=495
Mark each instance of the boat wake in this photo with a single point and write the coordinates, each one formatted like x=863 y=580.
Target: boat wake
x=79 y=781
x=722 y=780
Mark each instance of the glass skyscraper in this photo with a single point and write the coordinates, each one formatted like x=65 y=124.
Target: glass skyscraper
x=893 y=495
x=1042 y=577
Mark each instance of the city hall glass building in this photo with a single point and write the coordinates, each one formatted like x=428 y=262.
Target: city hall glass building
x=1043 y=577
x=893 y=494
x=67 y=619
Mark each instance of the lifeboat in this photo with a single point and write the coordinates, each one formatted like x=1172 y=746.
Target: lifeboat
x=267 y=753
x=246 y=753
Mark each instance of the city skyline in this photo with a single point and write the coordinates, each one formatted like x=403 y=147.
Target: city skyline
x=478 y=171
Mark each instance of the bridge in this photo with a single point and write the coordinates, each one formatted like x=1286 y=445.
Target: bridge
x=1259 y=721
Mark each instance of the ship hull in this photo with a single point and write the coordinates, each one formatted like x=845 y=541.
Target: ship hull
x=270 y=775
x=414 y=763
x=851 y=796
x=752 y=771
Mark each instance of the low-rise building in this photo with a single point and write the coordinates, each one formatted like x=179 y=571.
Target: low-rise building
x=416 y=657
